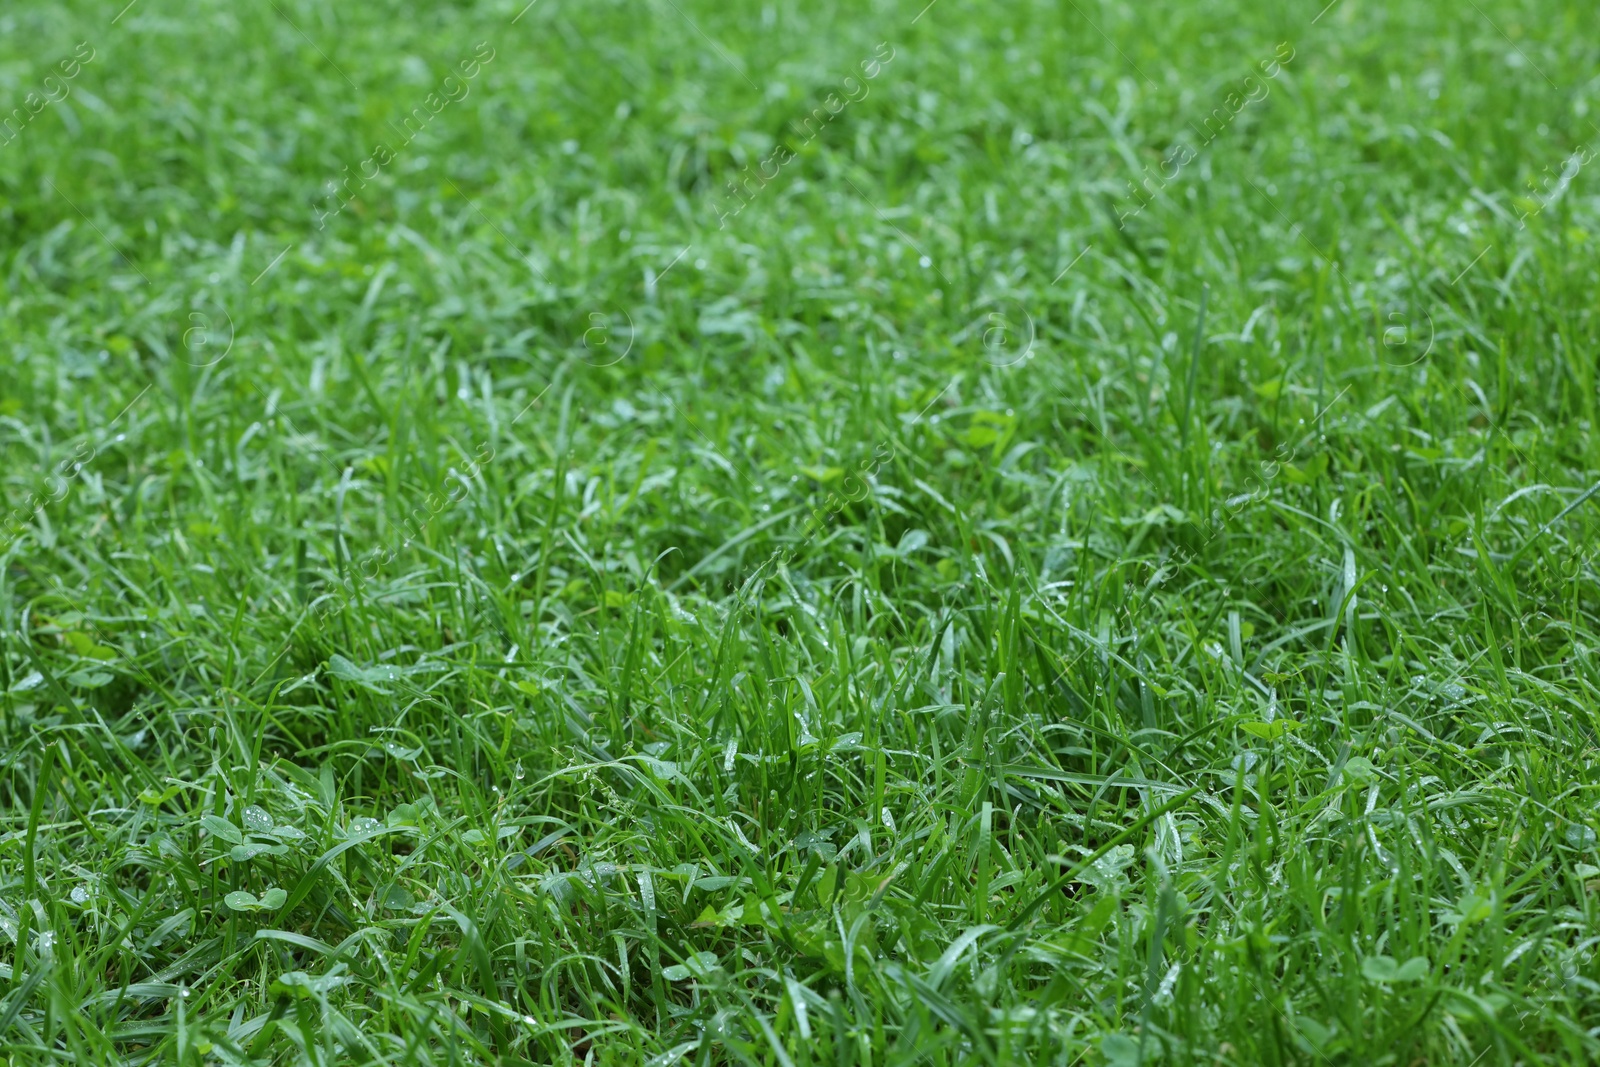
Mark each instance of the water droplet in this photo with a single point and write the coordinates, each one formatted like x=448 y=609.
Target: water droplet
x=521 y=774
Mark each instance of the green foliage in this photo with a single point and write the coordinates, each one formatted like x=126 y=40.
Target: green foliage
x=1030 y=533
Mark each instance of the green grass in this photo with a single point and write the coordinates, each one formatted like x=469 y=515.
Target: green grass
x=725 y=550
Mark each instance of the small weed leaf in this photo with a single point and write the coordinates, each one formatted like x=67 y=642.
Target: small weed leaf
x=221 y=828
x=1109 y=871
x=244 y=853
x=666 y=770
x=370 y=678
x=155 y=799
x=85 y=646
x=32 y=680
x=271 y=900
x=1580 y=836
x=1313 y=469
x=1359 y=769
x=699 y=966
x=239 y=900
x=987 y=429
x=404 y=815
x=1471 y=908
x=1120 y=1050
x=1270 y=731
x=1314 y=1034
x=301 y=985
x=394 y=897
x=714 y=883
x=1384 y=969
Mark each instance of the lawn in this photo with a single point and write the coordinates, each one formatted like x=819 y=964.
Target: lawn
x=674 y=532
